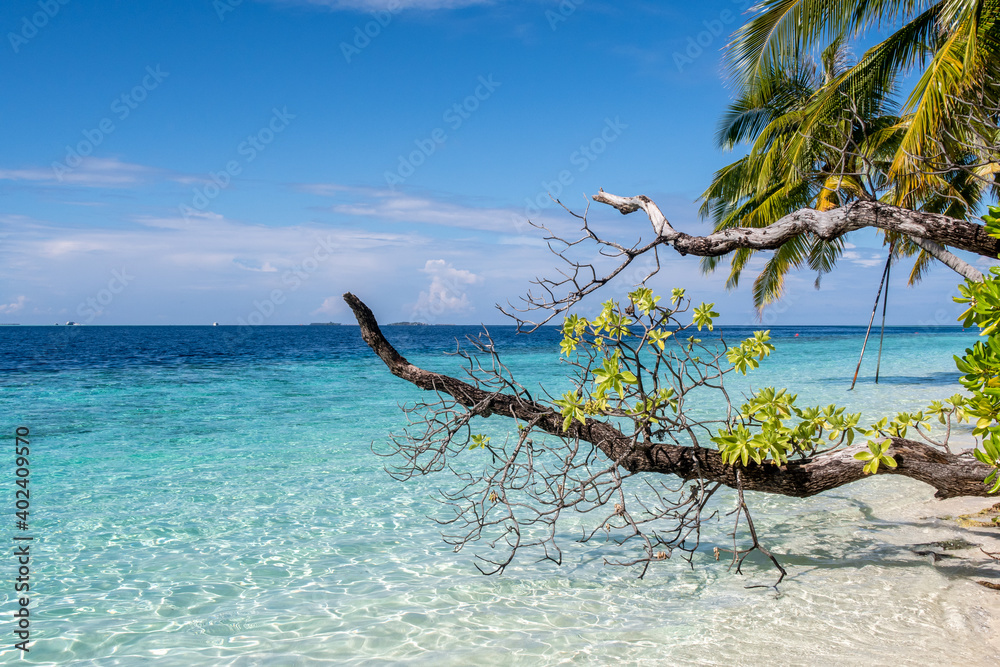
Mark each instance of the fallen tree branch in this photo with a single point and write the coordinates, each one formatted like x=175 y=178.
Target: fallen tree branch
x=933 y=229
x=932 y=232
x=951 y=475
x=951 y=260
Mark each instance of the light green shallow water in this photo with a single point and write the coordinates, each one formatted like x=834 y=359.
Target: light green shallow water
x=226 y=510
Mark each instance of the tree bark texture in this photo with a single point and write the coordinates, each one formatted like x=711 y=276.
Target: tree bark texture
x=931 y=231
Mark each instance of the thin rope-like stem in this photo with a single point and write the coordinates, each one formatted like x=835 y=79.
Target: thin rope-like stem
x=878 y=296
x=885 y=302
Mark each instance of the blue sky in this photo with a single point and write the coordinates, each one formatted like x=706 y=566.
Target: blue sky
x=249 y=161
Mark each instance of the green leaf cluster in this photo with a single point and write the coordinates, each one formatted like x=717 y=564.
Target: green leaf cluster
x=611 y=376
x=750 y=352
x=769 y=427
x=650 y=405
x=875 y=455
x=941 y=409
x=609 y=385
x=992 y=220
x=782 y=429
x=704 y=316
x=611 y=323
x=479 y=441
x=983 y=299
x=572 y=407
x=989 y=454
x=644 y=299
x=980 y=365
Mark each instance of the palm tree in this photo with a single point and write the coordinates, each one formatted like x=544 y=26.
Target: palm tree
x=787 y=169
x=952 y=44
x=823 y=136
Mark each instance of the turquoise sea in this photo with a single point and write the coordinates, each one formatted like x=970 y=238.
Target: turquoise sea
x=209 y=496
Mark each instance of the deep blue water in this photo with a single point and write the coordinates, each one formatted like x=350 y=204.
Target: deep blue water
x=68 y=348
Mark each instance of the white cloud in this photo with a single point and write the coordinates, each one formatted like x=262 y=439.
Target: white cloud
x=206 y=269
x=332 y=305
x=201 y=219
x=208 y=245
x=446 y=293
x=13 y=307
x=405 y=208
x=79 y=245
x=399 y=207
x=250 y=265
x=330 y=189
x=857 y=258
x=91 y=173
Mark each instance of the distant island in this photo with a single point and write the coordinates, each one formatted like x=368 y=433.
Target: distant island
x=408 y=324
x=325 y=324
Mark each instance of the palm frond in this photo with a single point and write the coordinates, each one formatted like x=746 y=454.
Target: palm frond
x=770 y=284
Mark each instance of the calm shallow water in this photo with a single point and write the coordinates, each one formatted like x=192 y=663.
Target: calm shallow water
x=207 y=496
